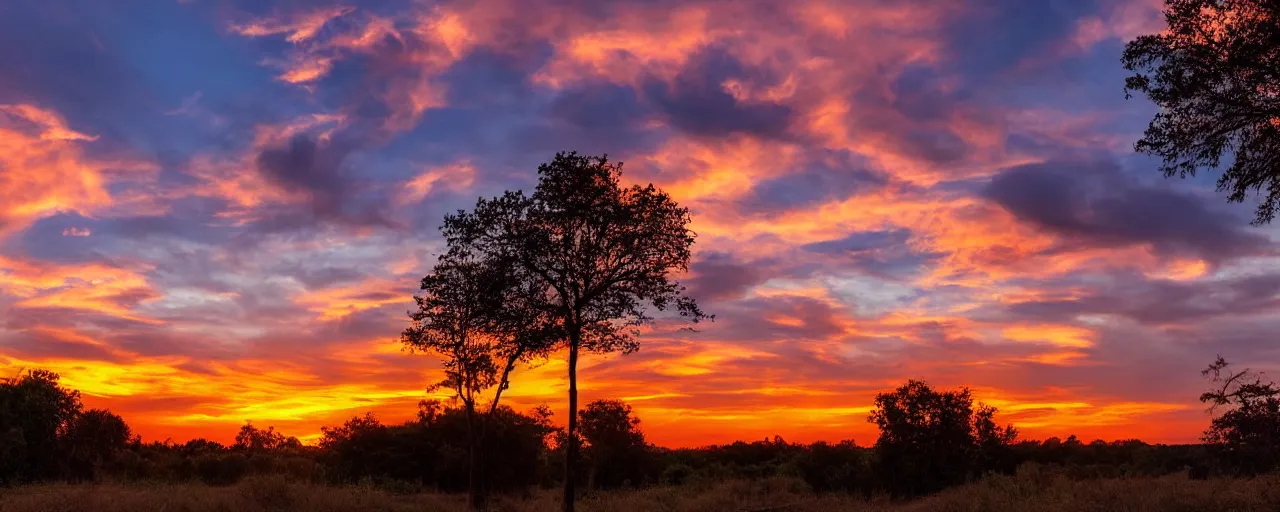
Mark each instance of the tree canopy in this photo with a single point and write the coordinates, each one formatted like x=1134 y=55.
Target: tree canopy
x=931 y=440
x=1247 y=422
x=1215 y=74
x=604 y=254
x=482 y=319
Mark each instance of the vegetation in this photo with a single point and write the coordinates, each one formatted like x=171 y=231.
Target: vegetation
x=931 y=442
x=481 y=323
x=596 y=257
x=1033 y=489
x=1215 y=74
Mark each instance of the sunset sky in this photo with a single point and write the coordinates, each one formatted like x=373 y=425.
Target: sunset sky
x=214 y=211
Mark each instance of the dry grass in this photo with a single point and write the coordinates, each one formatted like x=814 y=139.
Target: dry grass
x=1030 y=491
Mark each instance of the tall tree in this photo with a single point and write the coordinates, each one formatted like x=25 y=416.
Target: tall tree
x=1215 y=74
x=606 y=254
x=477 y=315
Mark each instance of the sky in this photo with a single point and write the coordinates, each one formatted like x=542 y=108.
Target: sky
x=217 y=211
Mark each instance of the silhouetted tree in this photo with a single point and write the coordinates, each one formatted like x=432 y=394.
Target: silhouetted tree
x=480 y=320
x=94 y=439
x=993 y=442
x=35 y=414
x=930 y=440
x=615 y=447
x=256 y=440
x=605 y=253
x=1215 y=74
x=1249 y=429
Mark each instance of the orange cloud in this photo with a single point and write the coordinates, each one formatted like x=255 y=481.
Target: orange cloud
x=299 y=28
x=44 y=171
x=93 y=287
x=456 y=176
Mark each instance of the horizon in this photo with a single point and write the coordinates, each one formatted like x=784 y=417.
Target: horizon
x=214 y=212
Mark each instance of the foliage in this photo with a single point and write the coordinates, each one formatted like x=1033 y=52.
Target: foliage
x=433 y=450
x=1028 y=491
x=36 y=413
x=481 y=322
x=1248 y=431
x=253 y=439
x=94 y=439
x=931 y=440
x=1215 y=74
x=836 y=467
x=615 y=449
x=602 y=255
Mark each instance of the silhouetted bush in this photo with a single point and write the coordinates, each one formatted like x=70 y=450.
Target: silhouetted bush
x=676 y=474
x=221 y=469
x=839 y=467
x=432 y=450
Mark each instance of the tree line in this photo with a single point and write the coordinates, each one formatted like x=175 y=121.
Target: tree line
x=929 y=440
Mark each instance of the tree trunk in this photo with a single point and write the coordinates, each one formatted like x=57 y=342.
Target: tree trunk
x=475 y=477
x=479 y=485
x=474 y=495
x=571 y=450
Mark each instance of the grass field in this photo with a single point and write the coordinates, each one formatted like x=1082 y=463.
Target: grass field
x=1029 y=491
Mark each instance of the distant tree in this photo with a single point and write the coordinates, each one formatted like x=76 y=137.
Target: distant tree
x=1215 y=74
x=835 y=467
x=357 y=447
x=256 y=440
x=35 y=414
x=480 y=320
x=615 y=447
x=201 y=445
x=604 y=251
x=931 y=440
x=1249 y=427
x=93 y=439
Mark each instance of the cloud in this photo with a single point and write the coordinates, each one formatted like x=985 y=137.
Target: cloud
x=314 y=169
x=698 y=102
x=456 y=177
x=1092 y=203
x=829 y=176
x=44 y=169
x=299 y=28
x=718 y=277
x=1162 y=301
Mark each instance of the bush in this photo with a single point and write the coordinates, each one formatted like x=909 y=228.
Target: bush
x=676 y=474
x=839 y=467
x=221 y=469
